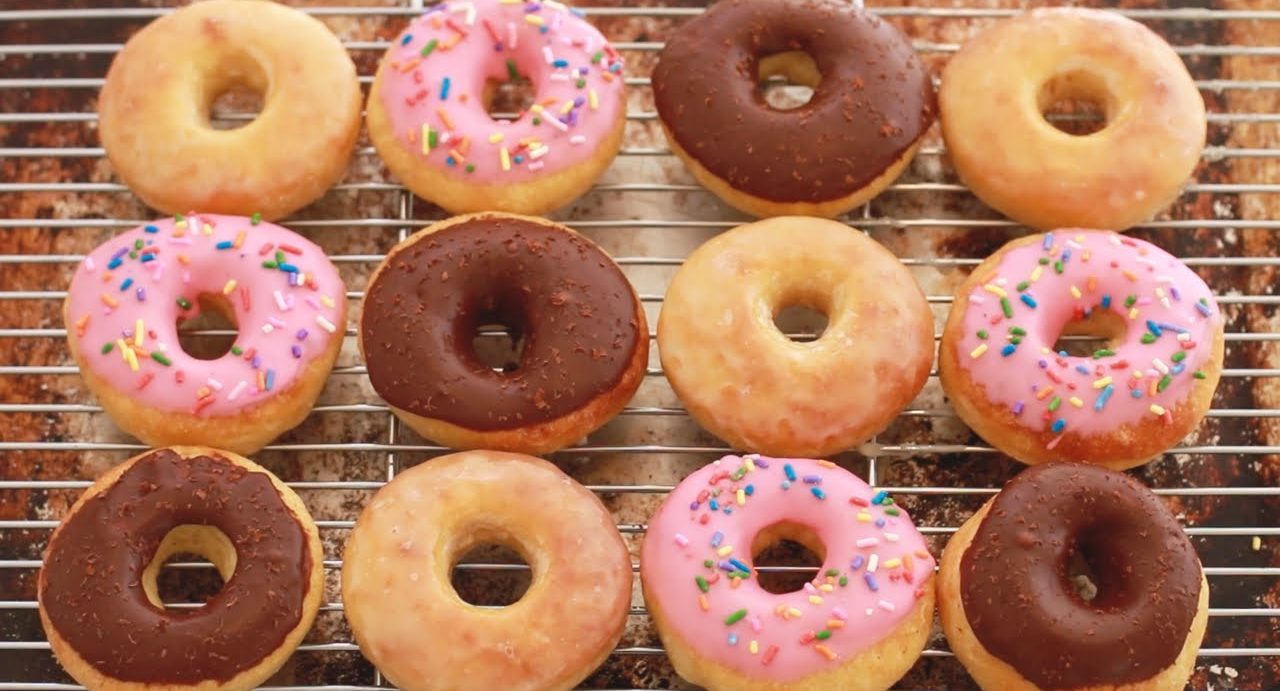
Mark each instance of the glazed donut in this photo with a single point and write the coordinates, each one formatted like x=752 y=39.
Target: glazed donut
x=584 y=334
x=411 y=623
x=1131 y=400
x=99 y=602
x=997 y=87
x=130 y=293
x=859 y=625
x=1015 y=617
x=872 y=103
x=734 y=370
x=428 y=117
x=154 y=110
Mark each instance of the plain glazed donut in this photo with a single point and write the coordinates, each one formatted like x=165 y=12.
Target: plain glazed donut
x=154 y=110
x=872 y=103
x=585 y=338
x=130 y=293
x=735 y=371
x=428 y=118
x=1131 y=400
x=859 y=625
x=1014 y=615
x=411 y=623
x=995 y=89
x=99 y=602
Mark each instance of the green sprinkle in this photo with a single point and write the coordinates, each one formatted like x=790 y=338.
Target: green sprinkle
x=737 y=474
x=580 y=83
x=537 y=120
x=1128 y=302
x=597 y=57
x=1023 y=286
x=735 y=617
x=1148 y=338
x=255 y=219
x=823 y=635
x=269 y=265
x=1199 y=375
x=133 y=255
x=106 y=348
x=702 y=583
x=1008 y=308
x=1105 y=352
x=179 y=218
x=844 y=581
x=1018 y=331
x=161 y=358
x=1165 y=381
x=235 y=350
x=1055 y=403
x=433 y=138
x=426 y=50
x=137 y=244
x=184 y=303
x=708 y=563
x=1179 y=356
x=982 y=333
x=280 y=257
x=512 y=73
x=891 y=511
x=833 y=572
x=1059 y=267
x=1044 y=261
x=1016 y=340
x=471 y=168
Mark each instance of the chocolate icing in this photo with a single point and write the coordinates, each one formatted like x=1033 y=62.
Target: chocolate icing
x=91 y=584
x=575 y=310
x=875 y=99
x=1022 y=606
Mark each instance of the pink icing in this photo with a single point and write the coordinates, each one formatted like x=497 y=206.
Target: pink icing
x=287 y=312
x=875 y=563
x=1171 y=315
x=470 y=43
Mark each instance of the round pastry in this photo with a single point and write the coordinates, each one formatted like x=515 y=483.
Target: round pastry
x=577 y=323
x=858 y=625
x=735 y=371
x=411 y=623
x=1016 y=161
x=1134 y=398
x=428 y=111
x=872 y=103
x=1017 y=618
x=129 y=295
x=154 y=109
x=101 y=607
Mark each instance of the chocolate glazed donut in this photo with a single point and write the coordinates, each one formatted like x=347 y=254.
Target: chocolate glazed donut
x=1012 y=565
x=98 y=598
x=872 y=102
x=583 y=335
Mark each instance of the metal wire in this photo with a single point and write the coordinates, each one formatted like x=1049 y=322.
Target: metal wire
x=392 y=447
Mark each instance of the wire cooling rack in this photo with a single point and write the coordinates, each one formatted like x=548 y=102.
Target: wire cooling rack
x=58 y=199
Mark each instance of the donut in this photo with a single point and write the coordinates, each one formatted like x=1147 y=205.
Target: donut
x=1016 y=617
x=99 y=602
x=428 y=109
x=414 y=627
x=872 y=103
x=858 y=625
x=1127 y=402
x=735 y=371
x=130 y=293
x=582 y=334
x=1017 y=162
x=153 y=112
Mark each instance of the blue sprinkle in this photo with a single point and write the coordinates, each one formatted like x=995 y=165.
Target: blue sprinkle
x=858 y=561
x=1106 y=302
x=125 y=285
x=733 y=639
x=406 y=40
x=115 y=263
x=518 y=159
x=1204 y=309
x=1136 y=393
x=560 y=63
x=1082 y=369
x=870 y=578
x=879 y=522
x=1154 y=328
x=1008 y=349
x=728 y=510
x=817 y=492
x=270 y=378
x=717 y=538
x=791 y=472
x=1048 y=241
x=288 y=267
x=1177 y=369
x=1171 y=327
x=147 y=258
x=1063 y=353
x=786 y=484
x=749 y=490
x=450 y=161
x=1066 y=255
x=151 y=229
x=1103 y=397
x=1028 y=300
x=1059 y=425
x=812 y=480
x=715 y=505
x=444 y=89
x=738 y=563
x=225 y=245
x=880 y=497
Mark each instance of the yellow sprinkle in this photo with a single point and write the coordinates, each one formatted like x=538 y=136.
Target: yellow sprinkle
x=703 y=604
x=1085 y=257
x=208 y=229
x=891 y=563
x=120 y=345
x=995 y=290
x=230 y=286
x=1159 y=292
x=1129 y=275
x=864 y=517
x=444 y=117
x=326 y=301
x=979 y=351
x=593 y=100
x=505 y=156
x=536 y=108
x=132 y=358
x=826 y=464
x=794 y=612
x=835 y=624
x=1133 y=313
x=750 y=463
x=568 y=106
x=1256 y=543
x=815 y=600
x=754 y=647
x=826 y=652
x=1137 y=374
x=495 y=137
x=1101 y=383
x=1157 y=409
x=426 y=138
x=534 y=19
x=139 y=334
x=181 y=224
x=1036 y=273
x=1075 y=402
x=742 y=497
x=109 y=301
x=826 y=587
x=725 y=551
x=1075 y=292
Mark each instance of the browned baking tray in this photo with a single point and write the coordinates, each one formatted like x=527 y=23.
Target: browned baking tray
x=58 y=198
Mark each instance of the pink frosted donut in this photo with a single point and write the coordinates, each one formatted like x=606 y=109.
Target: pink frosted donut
x=860 y=624
x=128 y=296
x=428 y=108
x=1128 y=401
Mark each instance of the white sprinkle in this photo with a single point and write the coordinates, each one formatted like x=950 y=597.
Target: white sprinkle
x=214 y=384
x=873 y=563
x=577 y=139
x=284 y=306
x=808 y=588
x=868 y=542
x=559 y=77
x=977 y=299
x=555 y=122
x=1160 y=366
x=1163 y=279
x=536 y=165
x=88 y=264
x=1074 y=245
x=546 y=53
x=539 y=152
x=325 y=323
x=682 y=540
x=886 y=605
x=870 y=611
x=1114 y=239
x=235 y=392
x=555 y=5
x=267 y=328
x=1184 y=336
x=413 y=576
x=891 y=537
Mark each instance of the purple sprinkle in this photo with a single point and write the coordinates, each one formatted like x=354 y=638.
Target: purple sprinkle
x=1082 y=369
x=1177 y=295
x=693 y=506
x=296 y=350
x=120 y=253
x=812 y=480
x=870 y=578
x=302 y=334
x=717 y=538
x=760 y=462
x=1172 y=327
x=579 y=101
x=1044 y=364
x=142 y=294
x=256 y=361
x=726 y=566
x=533 y=7
x=1017 y=408
x=277 y=322
x=879 y=522
x=1204 y=309
x=858 y=561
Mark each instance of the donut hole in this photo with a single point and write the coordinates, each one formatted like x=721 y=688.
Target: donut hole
x=491 y=573
x=211 y=333
x=190 y=567
x=787 y=80
x=801 y=315
x=1085 y=337
x=785 y=556
x=1095 y=570
x=1076 y=102
x=509 y=99
x=498 y=342
x=235 y=93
